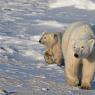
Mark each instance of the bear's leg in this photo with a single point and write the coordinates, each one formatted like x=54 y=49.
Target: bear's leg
x=48 y=59
x=48 y=56
x=71 y=69
x=61 y=64
x=87 y=74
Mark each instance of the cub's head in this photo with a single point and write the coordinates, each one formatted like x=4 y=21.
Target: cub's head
x=48 y=39
x=83 y=48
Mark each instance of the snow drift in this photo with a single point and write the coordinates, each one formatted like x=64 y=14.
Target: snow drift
x=81 y=4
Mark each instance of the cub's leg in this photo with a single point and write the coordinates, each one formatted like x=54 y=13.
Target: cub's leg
x=87 y=74
x=71 y=68
x=48 y=55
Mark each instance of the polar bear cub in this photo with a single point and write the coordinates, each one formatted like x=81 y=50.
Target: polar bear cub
x=78 y=47
x=53 y=53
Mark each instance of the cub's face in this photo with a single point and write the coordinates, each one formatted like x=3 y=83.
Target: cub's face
x=83 y=48
x=48 y=38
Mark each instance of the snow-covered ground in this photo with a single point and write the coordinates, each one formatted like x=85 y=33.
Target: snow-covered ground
x=83 y=4
x=22 y=66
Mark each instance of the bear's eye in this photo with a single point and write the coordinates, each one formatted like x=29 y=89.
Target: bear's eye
x=82 y=47
x=44 y=37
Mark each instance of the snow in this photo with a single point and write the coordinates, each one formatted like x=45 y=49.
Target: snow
x=22 y=65
x=83 y=4
x=50 y=24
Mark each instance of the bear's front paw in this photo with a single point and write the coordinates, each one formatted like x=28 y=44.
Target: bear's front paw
x=73 y=82
x=47 y=54
x=48 y=59
x=85 y=86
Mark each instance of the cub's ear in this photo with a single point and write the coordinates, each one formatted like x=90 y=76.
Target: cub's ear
x=44 y=33
x=55 y=35
x=92 y=42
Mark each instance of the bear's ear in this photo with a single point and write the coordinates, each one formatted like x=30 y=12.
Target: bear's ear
x=55 y=35
x=52 y=34
x=92 y=42
x=44 y=33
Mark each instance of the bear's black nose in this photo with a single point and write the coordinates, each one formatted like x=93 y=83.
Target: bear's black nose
x=76 y=55
x=39 y=41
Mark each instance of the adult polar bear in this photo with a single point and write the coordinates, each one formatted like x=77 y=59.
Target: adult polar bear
x=78 y=45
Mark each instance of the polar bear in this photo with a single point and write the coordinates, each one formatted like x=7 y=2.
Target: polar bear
x=78 y=47
x=53 y=52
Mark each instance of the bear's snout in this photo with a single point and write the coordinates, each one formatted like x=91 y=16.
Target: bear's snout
x=39 y=41
x=76 y=55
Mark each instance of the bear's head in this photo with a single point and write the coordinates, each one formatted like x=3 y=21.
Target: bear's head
x=48 y=39
x=83 y=48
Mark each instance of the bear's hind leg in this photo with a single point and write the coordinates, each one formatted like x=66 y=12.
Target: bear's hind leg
x=87 y=74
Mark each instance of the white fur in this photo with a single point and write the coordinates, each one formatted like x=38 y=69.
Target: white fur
x=79 y=38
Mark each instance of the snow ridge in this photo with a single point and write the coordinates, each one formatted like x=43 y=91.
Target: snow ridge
x=80 y=4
